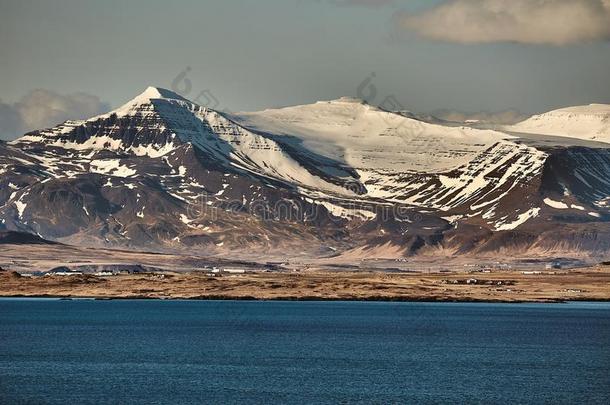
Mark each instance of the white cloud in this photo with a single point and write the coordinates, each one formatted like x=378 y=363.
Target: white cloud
x=555 y=22
x=43 y=108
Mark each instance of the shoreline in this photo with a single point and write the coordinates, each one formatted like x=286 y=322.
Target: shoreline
x=299 y=299
x=294 y=299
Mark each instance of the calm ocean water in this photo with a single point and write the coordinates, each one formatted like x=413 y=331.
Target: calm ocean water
x=83 y=351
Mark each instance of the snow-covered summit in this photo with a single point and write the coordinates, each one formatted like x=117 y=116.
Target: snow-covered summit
x=152 y=92
x=152 y=123
x=344 y=100
x=365 y=136
x=148 y=97
x=590 y=122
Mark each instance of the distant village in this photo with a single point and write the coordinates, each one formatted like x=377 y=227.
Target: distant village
x=212 y=271
x=127 y=269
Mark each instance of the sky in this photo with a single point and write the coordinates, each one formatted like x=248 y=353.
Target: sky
x=63 y=59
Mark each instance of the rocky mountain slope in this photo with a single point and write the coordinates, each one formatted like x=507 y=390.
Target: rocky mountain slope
x=331 y=178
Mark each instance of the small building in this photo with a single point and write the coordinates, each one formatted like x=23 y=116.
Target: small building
x=104 y=273
x=234 y=271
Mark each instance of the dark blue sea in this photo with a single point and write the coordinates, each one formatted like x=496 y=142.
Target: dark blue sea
x=172 y=352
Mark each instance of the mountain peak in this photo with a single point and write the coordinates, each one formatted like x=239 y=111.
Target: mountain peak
x=152 y=92
x=349 y=100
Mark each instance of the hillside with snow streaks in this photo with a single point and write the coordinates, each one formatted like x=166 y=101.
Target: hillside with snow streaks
x=408 y=161
x=163 y=173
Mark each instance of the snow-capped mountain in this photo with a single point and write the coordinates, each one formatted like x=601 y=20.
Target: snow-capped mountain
x=158 y=121
x=460 y=170
x=161 y=172
x=363 y=136
x=591 y=122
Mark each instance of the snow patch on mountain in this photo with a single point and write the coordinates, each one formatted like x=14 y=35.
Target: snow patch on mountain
x=556 y=204
x=521 y=219
x=21 y=206
x=112 y=167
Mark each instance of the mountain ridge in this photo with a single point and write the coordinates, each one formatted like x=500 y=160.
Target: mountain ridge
x=321 y=179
